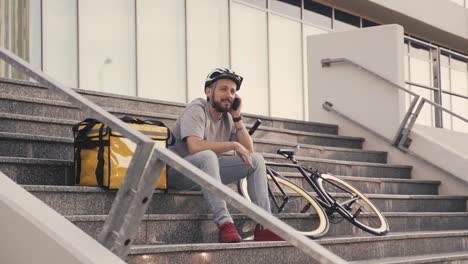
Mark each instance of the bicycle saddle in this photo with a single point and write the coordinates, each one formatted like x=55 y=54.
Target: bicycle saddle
x=289 y=152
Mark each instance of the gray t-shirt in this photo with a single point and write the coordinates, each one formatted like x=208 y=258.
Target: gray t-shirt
x=196 y=120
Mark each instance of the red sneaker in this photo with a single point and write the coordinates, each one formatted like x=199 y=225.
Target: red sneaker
x=228 y=233
x=265 y=235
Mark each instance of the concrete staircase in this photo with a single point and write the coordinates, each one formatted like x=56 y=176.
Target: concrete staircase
x=36 y=150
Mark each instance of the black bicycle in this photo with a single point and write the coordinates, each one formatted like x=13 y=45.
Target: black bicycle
x=329 y=197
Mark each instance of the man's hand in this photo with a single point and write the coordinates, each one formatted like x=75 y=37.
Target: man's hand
x=237 y=112
x=243 y=153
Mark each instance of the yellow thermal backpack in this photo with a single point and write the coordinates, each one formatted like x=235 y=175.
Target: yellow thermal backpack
x=102 y=156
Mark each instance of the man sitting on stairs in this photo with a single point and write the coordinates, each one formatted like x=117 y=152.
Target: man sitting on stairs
x=206 y=129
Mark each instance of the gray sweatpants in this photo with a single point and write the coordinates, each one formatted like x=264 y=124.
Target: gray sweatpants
x=228 y=169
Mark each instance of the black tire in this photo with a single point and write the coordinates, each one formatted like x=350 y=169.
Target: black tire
x=312 y=223
x=364 y=214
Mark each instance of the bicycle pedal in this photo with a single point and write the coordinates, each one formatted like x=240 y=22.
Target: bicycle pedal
x=306 y=208
x=358 y=212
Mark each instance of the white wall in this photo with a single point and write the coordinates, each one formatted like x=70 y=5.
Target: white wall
x=353 y=91
x=445 y=148
x=376 y=107
x=442 y=14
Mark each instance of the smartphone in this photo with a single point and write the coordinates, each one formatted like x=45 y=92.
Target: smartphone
x=236 y=103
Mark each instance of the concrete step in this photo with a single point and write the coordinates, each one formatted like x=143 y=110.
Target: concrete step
x=349 y=248
x=197 y=228
x=442 y=258
x=32 y=90
x=39 y=107
x=341 y=167
x=83 y=200
x=27 y=89
x=373 y=170
x=32 y=146
x=37 y=171
x=316 y=151
x=266 y=132
x=377 y=185
x=45 y=125
x=61 y=148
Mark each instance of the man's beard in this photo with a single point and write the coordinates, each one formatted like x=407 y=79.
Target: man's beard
x=219 y=108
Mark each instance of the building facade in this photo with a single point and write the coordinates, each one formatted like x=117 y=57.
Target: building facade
x=164 y=49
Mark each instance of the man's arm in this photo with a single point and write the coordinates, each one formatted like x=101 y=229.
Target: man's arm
x=242 y=133
x=243 y=136
x=196 y=144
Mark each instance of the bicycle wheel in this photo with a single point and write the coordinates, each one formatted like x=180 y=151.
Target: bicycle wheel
x=300 y=210
x=360 y=210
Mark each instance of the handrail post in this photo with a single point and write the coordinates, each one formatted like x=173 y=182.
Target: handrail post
x=400 y=132
x=405 y=141
x=438 y=118
x=401 y=138
x=116 y=234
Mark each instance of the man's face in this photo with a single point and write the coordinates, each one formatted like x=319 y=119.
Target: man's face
x=224 y=94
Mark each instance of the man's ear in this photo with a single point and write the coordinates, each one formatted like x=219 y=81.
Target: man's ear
x=207 y=92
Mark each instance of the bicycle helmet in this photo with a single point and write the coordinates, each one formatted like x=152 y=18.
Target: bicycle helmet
x=223 y=73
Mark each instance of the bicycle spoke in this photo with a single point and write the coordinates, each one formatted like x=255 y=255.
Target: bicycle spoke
x=354 y=206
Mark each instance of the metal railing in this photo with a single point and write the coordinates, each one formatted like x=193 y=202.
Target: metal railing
x=401 y=138
x=435 y=53
x=137 y=189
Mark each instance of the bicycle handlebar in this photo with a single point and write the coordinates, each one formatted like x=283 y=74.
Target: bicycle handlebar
x=255 y=126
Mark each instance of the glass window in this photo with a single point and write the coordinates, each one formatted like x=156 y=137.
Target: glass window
x=15 y=33
x=288 y=7
x=408 y=97
x=161 y=49
x=59 y=36
x=250 y=56
x=444 y=60
x=426 y=116
x=318 y=14
x=286 y=87
x=459 y=82
x=419 y=51
x=445 y=78
x=207 y=42
x=260 y=3
x=107 y=46
x=447 y=118
x=421 y=73
x=459 y=64
x=368 y=23
x=345 y=21
x=35 y=35
x=460 y=107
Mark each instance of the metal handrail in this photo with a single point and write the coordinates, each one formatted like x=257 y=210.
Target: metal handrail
x=454 y=53
x=328 y=62
x=420 y=42
x=401 y=129
x=137 y=189
x=404 y=142
x=422 y=86
x=118 y=229
x=401 y=137
x=435 y=89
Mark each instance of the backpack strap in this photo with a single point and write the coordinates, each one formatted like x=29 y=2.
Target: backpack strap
x=80 y=140
x=170 y=137
x=100 y=157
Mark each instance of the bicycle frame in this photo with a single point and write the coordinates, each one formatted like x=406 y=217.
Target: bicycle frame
x=311 y=177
